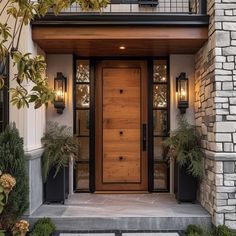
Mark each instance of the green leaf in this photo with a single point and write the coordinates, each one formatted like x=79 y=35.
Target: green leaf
x=1 y=209
x=1 y=197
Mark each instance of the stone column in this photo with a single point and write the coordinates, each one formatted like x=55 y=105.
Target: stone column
x=215 y=112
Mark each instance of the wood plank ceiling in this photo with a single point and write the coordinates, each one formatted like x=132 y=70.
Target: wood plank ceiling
x=106 y=40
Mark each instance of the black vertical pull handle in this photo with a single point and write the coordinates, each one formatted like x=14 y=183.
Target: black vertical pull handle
x=79 y=127
x=144 y=131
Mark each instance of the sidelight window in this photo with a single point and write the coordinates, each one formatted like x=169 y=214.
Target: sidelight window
x=82 y=123
x=160 y=124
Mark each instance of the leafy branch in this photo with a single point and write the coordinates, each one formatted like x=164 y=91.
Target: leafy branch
x=30 y=69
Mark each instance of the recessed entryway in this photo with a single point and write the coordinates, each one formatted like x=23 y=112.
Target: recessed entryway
x=121 y=117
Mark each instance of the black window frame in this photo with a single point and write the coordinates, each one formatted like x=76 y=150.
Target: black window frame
x=151 y=84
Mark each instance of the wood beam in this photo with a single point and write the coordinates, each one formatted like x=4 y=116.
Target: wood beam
x=118 y=32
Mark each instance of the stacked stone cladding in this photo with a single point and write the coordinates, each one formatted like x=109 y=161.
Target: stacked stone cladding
x=215 y=112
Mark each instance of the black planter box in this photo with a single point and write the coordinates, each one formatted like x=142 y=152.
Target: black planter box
x=57 y=189
x=185 y=185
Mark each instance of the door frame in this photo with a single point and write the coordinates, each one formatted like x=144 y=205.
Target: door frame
x=118 y=186
x=92 y=167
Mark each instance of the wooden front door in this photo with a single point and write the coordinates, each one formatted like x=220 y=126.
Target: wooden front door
x=121 y=126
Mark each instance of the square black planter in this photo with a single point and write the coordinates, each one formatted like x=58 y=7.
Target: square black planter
x=57 y=189
x=185 y=187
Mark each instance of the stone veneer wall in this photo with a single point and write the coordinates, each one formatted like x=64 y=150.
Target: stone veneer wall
x=215 y=112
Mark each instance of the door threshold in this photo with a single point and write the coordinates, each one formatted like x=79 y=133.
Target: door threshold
x=121 y=192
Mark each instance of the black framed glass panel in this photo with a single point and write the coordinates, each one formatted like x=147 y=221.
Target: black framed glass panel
x=82 y=123
x=160 y=124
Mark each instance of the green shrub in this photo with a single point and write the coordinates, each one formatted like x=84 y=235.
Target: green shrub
x=12 y=161
x=193 y=234
x=43 y=227
x=59 y=146
x=223 y=230
x=184 y=146
x=194 y=230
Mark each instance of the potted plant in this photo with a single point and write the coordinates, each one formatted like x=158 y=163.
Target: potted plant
x=60 y=147
x=184 y=148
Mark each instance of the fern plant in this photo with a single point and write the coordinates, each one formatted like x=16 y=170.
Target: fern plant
x=184 y=146
x=59 y=146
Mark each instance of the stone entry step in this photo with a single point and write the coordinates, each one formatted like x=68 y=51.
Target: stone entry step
x=126 y=213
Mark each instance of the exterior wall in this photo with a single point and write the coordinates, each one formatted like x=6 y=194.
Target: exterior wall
x=61 y=63
x=30 y=122
x=178 y=64
x=215 y=106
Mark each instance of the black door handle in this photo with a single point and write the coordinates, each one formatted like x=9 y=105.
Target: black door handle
x=144 y=141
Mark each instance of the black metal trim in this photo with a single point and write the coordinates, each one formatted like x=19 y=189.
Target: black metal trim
x=74 y=93
x=203 y=6
x=151 y=109
x=75 y=19
x=150 y=126
x=92 y=168
x=74 y=113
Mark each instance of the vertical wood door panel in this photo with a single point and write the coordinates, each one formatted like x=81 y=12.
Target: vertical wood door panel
x=120 y=112
x=121 y=166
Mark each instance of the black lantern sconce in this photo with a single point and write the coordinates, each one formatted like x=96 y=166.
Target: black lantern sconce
x=182 y=91
x=60 y=87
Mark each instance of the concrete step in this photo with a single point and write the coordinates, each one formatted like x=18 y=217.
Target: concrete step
x=86 y=212
x=125 y=223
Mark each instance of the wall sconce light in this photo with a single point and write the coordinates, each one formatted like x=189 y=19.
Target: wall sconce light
x=60 y=87
x=182 y=92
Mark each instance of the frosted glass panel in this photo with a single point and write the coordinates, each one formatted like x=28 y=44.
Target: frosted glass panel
x=160 y=176
x=82 y=176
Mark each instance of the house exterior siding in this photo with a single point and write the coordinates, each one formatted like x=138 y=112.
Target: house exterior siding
x=215 y=89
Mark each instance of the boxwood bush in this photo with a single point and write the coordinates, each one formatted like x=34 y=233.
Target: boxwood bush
x=221 y=230
x=43 y=227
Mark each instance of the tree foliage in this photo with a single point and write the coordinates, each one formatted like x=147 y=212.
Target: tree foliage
x=29 y=68
x=12 y=161
x=185 y=147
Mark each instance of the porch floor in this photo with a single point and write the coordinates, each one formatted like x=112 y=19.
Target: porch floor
x=157 y=211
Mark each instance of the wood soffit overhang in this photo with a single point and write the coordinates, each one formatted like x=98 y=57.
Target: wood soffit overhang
x=101 y=40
